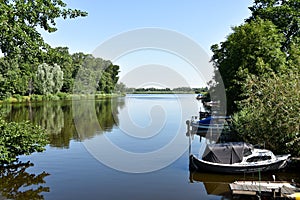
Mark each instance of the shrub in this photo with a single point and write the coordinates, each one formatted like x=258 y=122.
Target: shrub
x=22 y=138
x=270 y=114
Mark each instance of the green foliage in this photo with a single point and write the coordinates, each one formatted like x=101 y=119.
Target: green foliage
x=284 y=14
x=18 y=139
x=272 y=37
x=21 y=69
x=62 y=96
x=58 y=77
x=49 y=79
x=109 y=78
x=259 y=64
x=270 y=112
x=253 y=48
x=120 y=88
x=19 y=21
x=19 y=78
x=13 y=79
x=36 y=97
x=61 y=57
x=95 y=75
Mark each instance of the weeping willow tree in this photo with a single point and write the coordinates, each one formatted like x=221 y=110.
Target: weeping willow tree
x=49 y=79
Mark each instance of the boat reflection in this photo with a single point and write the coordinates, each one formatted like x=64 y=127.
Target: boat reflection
x=214 y=184
x=218 y=184
x=17 y=183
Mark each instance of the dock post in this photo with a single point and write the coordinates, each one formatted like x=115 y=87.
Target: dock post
x=273 y=193
x=189 y=134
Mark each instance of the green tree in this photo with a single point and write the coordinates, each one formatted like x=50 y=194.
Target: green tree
x=49 y=79
x=109 y=77
x=19 y=20
x=58 y=77
x=284 y=14
x=253 y=48
x=120 y=88
x=270 y=112
x=13 y=79
x=94 y=74
x=77 y=60
x=87 y=76
x=62 y=57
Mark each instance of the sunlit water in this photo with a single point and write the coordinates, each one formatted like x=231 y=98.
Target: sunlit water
x=148 y=130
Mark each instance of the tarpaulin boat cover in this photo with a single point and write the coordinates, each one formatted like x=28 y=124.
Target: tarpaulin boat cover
x=227 y=153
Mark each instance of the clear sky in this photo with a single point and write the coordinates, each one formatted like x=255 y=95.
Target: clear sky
x=206 y=22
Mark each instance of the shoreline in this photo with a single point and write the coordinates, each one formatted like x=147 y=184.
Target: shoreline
x=34 y=98
x=56 y=97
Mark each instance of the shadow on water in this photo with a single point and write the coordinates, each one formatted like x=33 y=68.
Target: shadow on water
x=57 y=117
x=17 y=183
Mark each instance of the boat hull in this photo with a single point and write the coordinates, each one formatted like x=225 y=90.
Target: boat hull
x=200 y=165
x=203 y=129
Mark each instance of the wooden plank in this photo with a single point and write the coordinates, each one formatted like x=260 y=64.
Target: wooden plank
x=235 y=187
x=255 y=187
x=252 y=188
x=287 y=190
x=243 y=192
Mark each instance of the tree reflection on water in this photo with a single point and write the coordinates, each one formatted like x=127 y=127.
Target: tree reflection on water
x=17 y=183
x=57 y=117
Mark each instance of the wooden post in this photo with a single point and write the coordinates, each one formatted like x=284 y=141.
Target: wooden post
x=273 y=193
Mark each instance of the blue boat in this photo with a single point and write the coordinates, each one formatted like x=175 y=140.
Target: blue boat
x=210 y=123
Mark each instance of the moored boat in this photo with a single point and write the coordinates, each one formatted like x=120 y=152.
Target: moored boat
x=237 y=157
x=200 y=96
x=212 y=123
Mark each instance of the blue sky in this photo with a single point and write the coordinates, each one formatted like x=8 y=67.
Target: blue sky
x=205 y=22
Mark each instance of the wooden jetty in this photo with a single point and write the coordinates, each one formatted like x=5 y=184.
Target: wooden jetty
x=272 y=189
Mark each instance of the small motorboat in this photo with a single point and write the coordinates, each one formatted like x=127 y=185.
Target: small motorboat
x=213 y=123
x=200 y=96
x=237 y=157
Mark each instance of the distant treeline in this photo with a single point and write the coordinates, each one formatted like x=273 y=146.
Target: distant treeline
x=166 y=90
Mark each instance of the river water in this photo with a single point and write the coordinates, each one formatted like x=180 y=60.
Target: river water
x=132 y=147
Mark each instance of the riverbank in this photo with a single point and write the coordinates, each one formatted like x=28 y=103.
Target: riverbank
x=56 y=97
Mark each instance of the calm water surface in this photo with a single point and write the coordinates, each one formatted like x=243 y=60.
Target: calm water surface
x=78 y=165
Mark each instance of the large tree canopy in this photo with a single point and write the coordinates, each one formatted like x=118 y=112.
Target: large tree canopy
x=252 y=48
x=19 y=20
x=285 y=14
x=267 y=40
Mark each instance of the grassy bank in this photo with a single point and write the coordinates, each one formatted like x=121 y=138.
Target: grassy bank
x=56 y=97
